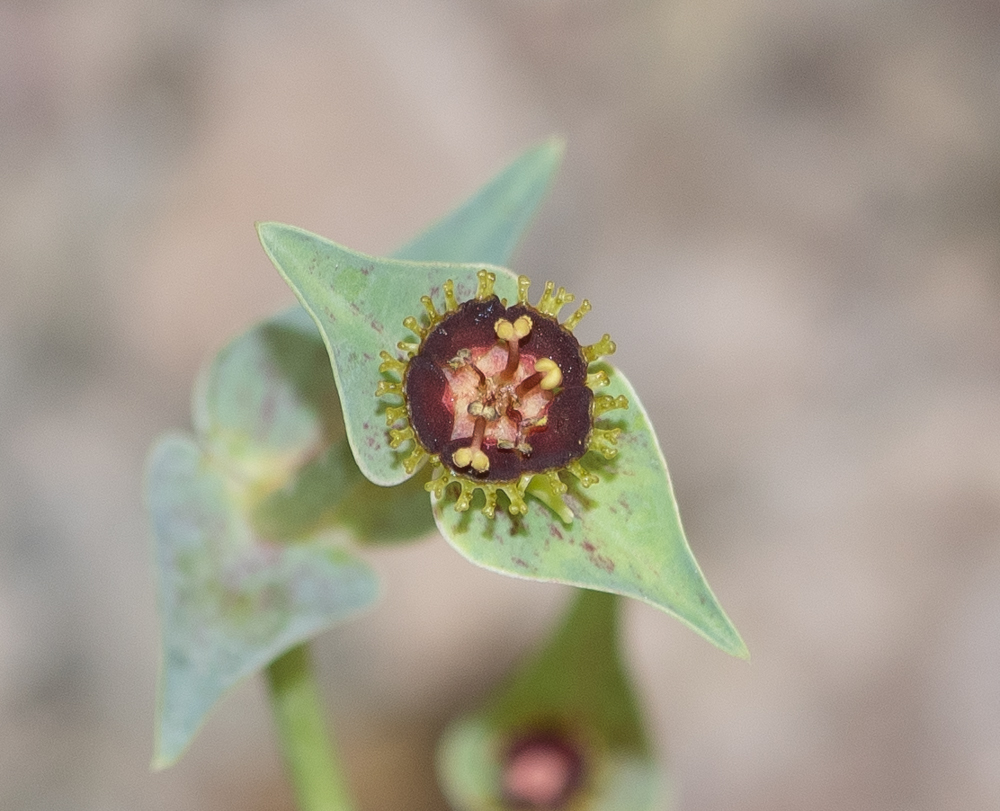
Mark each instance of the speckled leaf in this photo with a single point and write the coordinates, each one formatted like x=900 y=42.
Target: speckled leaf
x=574 y=692
x=359 y=303
x=229 y=600
x=626 y=537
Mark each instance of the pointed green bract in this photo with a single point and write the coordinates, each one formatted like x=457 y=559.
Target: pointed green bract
x=488 y=227
x=229 y=602
x=626 y=537
x=359 y=303
x=574 y=689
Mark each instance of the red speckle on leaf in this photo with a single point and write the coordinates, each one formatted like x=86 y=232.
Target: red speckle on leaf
x=600 y=561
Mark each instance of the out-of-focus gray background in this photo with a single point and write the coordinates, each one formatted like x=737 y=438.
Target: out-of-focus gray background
x=786 y=213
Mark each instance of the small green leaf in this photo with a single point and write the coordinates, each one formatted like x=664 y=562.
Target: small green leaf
x=574 y=693
x=626 y=538
x=229 y=602
x=359 y=303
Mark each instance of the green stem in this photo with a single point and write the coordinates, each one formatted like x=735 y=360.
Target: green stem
x=310 y=758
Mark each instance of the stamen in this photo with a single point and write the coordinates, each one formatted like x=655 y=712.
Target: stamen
x=473 y=454
x=512 y=334
x=553 y=374
x=528 y=383
x=547 y=376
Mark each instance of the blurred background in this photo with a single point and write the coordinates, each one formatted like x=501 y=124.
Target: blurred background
x=788 y=216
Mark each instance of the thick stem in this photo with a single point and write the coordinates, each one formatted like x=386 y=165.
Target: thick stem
x=312 y=763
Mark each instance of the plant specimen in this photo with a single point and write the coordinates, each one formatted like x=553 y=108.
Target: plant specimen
x=262 y=516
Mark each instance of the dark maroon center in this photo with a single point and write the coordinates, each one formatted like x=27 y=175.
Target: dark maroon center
x=468 y=388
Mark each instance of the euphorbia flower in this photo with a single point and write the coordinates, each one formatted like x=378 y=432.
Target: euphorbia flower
x=623 y=536
x=499 y=398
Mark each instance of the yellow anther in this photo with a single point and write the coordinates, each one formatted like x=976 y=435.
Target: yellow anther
x=462 y=457
x=552 y=374
x=522 y=326
x=480 y=461
x=409 y=348
x=504 y=329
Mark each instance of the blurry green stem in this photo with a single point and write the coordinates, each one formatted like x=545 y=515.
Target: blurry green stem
x=310 y=758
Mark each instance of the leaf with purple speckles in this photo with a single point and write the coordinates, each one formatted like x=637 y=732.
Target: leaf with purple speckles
x=626 y=537
x=343 y=300
x=230 y=601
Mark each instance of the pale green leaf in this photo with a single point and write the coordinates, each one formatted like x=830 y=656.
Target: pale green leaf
x=359 y=303
x=229 y=601
x=626 y=537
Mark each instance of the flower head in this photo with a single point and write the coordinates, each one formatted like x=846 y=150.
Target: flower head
x=500 y=398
